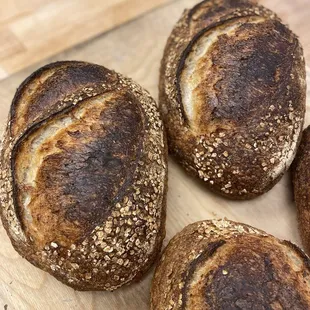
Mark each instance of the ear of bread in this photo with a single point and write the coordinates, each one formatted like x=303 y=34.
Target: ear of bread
x=232 y=91
x=301 y=184
x=84 y=176
x=226 y=265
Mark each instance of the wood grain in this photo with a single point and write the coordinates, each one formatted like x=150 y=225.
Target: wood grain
x=34 y=30
x=135 y=50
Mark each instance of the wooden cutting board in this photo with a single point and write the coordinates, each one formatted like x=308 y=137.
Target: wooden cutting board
x=135 y=50
x=32 y=30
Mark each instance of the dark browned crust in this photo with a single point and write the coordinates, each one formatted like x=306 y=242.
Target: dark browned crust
x=220 y=265
x=187 y=275
x=69 y=77
x=219 y=7
x=96 y=188
x=259 y=85
x=301 y=185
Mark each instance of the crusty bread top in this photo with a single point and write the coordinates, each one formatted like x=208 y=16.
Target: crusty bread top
x=74 y=168
x=84 y=175
x=226 y=265
x=232 y=92
x=55 y=87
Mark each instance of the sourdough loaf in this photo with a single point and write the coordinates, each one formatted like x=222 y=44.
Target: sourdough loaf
x=232 y=92
x=84 y=175
x=223 y=265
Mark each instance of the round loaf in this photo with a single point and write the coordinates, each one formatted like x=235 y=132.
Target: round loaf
x=232 y=93
x=84 y=176
x=221 y=265
x=301 y=184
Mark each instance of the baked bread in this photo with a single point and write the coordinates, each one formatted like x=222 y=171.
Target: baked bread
x=84 y=176
x=301 y=183
x=232 y=92
x=225 y=265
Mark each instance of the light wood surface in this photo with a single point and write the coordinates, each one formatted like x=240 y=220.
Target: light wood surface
x=135 y=50
x=32 y=30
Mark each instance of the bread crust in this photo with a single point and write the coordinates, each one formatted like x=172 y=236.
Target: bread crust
x=84 y=179
x=301 y=185
x=220 y=264
x=233 y=94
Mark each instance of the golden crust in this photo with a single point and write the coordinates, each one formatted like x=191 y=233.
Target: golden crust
x=222 y=264
x=84 y=178
x=232 y=94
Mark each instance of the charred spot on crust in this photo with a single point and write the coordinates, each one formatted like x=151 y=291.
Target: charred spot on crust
x=250 y=67
x=205 y=255
x=248 y=70
x=84 y=170
x=251 y=281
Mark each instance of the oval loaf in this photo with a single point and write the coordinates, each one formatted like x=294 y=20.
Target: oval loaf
x=232 y=93
x=84 y=175
x=223 y=265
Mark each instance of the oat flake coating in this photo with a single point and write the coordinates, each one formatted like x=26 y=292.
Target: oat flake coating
x=84 y=176
x=233 y=94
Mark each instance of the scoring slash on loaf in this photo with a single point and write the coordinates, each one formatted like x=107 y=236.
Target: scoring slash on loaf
x=301 y=184
x=84 y=176
x=232 y=92
x=225 y=265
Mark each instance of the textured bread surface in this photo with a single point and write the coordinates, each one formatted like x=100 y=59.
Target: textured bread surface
x=301 y=184
x=84 y=175
x=223 y=265
x=232 y=93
